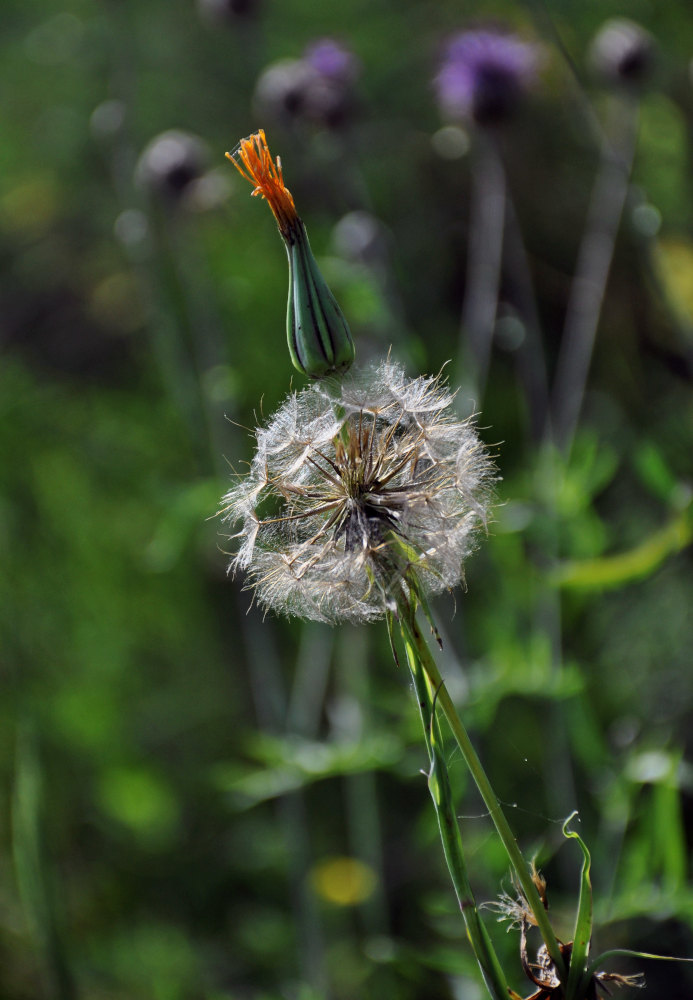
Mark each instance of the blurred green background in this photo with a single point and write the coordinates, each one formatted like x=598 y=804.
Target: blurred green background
x=197 y=802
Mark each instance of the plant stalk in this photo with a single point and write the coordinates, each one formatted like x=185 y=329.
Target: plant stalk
x=441 y=793
x=413 y=637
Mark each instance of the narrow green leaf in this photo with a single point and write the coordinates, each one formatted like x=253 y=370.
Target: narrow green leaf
x=629 y=953
x=583 y=921
x=626 y=567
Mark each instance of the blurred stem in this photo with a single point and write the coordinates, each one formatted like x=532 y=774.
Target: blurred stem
x=414 y=638
x=593 y=265
x=362 y=811
x=32 y=871
x=584 y=308
x=531 y=362
x=295 y=822
x=274 y=713
x=484 y=255
x=547 y=27
x=310 y=680
x=175 y=339
x=187 y=336
x=186 y=332
x=147 y=261
x=441 y=793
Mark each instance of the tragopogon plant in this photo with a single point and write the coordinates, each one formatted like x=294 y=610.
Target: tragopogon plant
x=363 y=492
x=365 y=495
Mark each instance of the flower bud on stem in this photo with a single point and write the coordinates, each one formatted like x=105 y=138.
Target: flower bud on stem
x=319 y=339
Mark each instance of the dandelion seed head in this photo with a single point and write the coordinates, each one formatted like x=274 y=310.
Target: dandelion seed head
x=354 y=486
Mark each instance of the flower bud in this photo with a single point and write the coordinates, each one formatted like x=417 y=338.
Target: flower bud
x=483 y=76
x=623 y=53
x=319 y=338
x=171 y=164
x=318 y=88
x=282 y=88
x=318 y=335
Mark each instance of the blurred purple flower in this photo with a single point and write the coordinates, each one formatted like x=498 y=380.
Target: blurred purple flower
x=317 y=88
x=332 y=60
x=483 y=75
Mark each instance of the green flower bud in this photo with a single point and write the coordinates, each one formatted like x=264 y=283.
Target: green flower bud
x=317 y=332
x=320 y=342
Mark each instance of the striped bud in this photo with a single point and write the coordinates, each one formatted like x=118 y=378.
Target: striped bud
x=319 y=339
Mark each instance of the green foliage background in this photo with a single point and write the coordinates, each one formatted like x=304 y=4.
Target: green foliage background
x=179 y=775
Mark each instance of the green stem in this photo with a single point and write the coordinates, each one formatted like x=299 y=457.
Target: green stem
x=412 y=633
x=441 y=793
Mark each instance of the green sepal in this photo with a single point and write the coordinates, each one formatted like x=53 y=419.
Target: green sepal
x=320 y=342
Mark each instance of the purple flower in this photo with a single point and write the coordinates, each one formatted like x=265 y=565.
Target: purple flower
x=484 y=74
x=332 y=60
x=318 y=88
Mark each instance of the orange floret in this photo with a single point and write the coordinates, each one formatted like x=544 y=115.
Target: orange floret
x=252 y=159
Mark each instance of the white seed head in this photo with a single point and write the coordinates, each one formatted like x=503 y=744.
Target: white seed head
x=356 y=485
